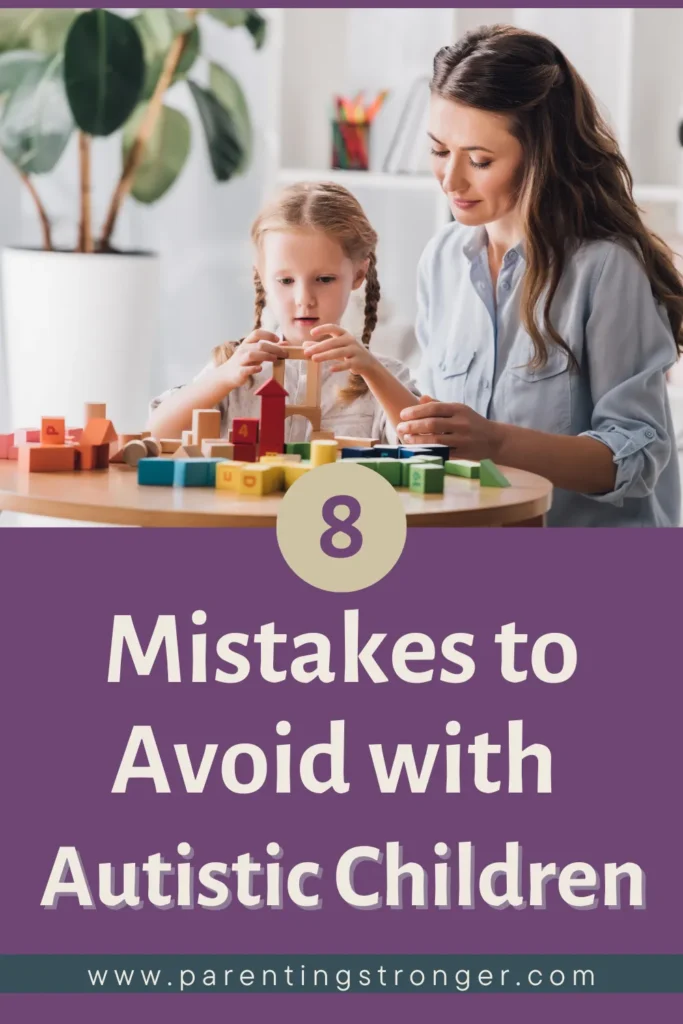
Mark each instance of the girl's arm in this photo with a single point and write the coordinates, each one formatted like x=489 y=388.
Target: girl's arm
x=581 y=463
x=343 y=348
x=175 y=414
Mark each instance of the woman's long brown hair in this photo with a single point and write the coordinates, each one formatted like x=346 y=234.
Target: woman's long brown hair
x=576 y=184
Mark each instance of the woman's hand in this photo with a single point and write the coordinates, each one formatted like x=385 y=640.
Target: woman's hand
x=258 y=348
x=338 y=346
x=458 y=426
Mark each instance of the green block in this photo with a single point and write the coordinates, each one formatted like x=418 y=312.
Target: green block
x=390 y=469
x=426 y=479
x=302 y=448
x=414 y=461
x=462 y=467
x=491 y=476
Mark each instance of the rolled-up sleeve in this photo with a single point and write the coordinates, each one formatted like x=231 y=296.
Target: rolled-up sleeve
x=629 y=347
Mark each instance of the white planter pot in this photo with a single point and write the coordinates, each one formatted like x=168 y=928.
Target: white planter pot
x=79 y=328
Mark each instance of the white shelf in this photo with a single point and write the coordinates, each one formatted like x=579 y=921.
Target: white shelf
x=367 y=179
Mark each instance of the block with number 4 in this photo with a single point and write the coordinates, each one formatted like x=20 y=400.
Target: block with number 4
x=244 y=430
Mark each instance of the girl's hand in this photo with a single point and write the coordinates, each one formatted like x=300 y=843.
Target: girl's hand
x=458 y=426
x=340 y=346
x=258 y=348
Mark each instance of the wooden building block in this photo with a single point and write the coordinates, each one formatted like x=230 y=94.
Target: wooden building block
x=194 y=473
x=144 y=434
x=156 y=472
x=406 y=451
x=132 y=452
x=387 y=451
x=218 y=449
x=244 y=430
x=6 y=442
x=323 y=452
x=86 y=456
x=187 y=451
x=356 y=453
x=271 y=432
x=245 y=452
x=260 y=479
x=491 y=476
x=279 y=460
x=279 y=371
x=295 y=352
x=52 y=430
x=206 y=423
x=311 y=413
x=26 y=435
x=313 y=383
x=74 y=433
x=426 y=478
x=416 y=460
x=295 y=470
x=302 y=448
x=169 y=445
x=186 y=437
x=95 y=411
x=227 y=475
x=323 y=435
x=153 y=447
x=462 y=467
x=125 y=438
x=99 y=431
x=356 y=442
x=390 y=469
x=37 y=458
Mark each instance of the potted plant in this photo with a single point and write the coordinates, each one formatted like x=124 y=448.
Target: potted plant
x=80 y=324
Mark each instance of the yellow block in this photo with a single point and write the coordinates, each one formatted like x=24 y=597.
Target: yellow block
x=293 y=471
x=227 y=475
x=279 y=460
x=323 y=452
x=257 y=479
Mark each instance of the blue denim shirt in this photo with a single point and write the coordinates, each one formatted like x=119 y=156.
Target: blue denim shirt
x=475 y=350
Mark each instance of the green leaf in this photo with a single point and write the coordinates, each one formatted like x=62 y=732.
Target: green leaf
x=36 y=122
x=104 y=71
x=165 y=153
x=158 y=28
x=228 y=92
x=35 y=28
x=242 y=17
x=222 y=134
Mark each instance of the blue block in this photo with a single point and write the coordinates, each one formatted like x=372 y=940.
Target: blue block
x=442 y=450
x=195 y=472
x=386 y=451
x=156 y=472
x=357 y=453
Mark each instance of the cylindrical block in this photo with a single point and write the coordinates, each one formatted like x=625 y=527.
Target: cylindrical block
x=323 y=452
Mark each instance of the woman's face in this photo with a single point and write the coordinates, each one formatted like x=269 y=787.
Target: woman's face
x=476 y=160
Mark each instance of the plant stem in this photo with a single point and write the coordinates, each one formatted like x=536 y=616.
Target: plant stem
x=85 y=243
x=44 y=222
x=145 y=130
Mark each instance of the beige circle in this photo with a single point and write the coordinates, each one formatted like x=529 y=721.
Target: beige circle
x=382 y=524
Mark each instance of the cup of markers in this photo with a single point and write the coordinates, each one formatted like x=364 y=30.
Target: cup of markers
x=351 y=131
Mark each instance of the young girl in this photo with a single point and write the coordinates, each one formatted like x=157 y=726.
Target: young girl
x=314 y=246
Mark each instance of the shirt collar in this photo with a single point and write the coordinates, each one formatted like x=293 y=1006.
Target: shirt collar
x=478 y=241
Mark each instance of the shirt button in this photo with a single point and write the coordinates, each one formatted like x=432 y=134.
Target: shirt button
x=649 y=433
x=505 y=285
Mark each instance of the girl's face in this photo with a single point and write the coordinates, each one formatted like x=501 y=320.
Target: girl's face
x=307 y=279
x=476 y=160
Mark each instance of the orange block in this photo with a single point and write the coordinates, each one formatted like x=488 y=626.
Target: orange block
x=6 y=442
x=52 y=430
x=52 y=458
x=99 y=432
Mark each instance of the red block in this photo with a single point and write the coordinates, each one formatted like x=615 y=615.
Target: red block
x=245 y=430
x=245 y=453
x=6 y=442
x=26 y=435
x=272 y=429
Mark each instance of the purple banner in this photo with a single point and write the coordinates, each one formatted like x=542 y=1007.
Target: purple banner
x=612 y=730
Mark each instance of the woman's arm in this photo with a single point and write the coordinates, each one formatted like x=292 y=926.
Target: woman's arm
x=175 y=414
x=574 y=463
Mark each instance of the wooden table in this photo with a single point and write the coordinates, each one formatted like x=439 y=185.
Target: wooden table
x=114 y=496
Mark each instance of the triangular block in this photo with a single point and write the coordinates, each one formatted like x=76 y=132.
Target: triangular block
x=491 y=476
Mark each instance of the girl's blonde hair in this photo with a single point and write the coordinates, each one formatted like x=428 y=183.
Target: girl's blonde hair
x=330 y=208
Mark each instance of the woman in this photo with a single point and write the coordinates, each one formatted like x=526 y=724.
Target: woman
x=548 y=312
